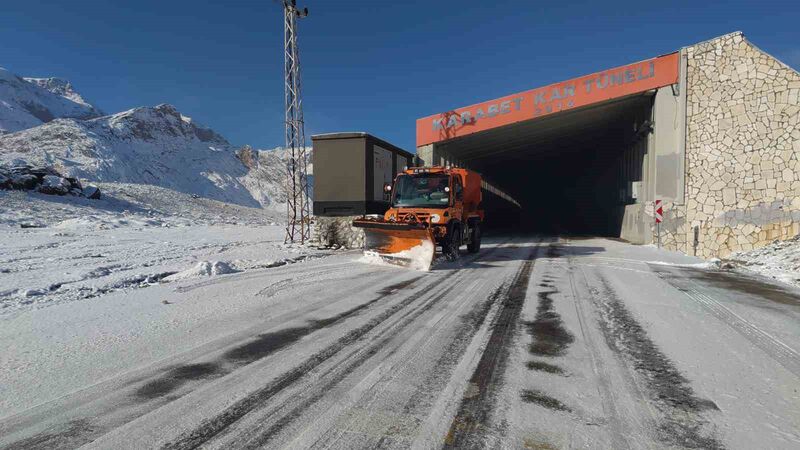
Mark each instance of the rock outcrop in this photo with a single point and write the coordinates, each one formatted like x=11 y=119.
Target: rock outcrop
x=23 y=177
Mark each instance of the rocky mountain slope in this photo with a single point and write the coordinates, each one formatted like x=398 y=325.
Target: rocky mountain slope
x=62 y=88
x=26 y=103
x=153 y=146
x=150 y=145
x=266 y=173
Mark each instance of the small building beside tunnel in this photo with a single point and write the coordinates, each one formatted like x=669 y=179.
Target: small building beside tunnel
x=712 y=130
x=353 y=171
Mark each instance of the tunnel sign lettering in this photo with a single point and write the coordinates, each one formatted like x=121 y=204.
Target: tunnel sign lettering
x=471 y=116
x=582 y=91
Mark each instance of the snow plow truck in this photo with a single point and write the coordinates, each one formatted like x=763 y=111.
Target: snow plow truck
x=430 y=207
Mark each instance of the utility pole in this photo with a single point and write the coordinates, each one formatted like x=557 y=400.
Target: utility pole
x=298 y=215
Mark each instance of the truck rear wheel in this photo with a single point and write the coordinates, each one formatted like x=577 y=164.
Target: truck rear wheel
x=474 y=245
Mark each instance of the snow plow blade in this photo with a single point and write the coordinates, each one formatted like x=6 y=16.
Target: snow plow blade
x=405 y=244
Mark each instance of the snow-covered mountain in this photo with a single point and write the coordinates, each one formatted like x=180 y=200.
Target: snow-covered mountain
x=26 y=103
x=146 y=146
x=150 y=145
x=267 y=173
x=62 y=88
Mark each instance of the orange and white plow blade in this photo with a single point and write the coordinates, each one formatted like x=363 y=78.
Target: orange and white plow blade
x=402 y=245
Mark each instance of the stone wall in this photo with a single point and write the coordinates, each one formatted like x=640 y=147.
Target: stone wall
x=742 y=150
x=330 y=231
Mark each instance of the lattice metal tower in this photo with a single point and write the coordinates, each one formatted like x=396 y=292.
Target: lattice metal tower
x=298 y=225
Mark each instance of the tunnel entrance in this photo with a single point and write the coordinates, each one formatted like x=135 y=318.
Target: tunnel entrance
x=574 y=157
x=572 y=172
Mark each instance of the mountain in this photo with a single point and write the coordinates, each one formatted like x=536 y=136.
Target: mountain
x=155 y=146
x=267 y=173
x=46 y=122
x=62 y=88
x=26 y=103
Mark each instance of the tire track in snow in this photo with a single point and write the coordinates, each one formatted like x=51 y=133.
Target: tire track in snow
x=176 y=381
x=262 y=346
x=214 y=427
x=414 y=414
x=294 y=281
x=779 y=351
x=411 y=410
x=473 y=415
x=550 y=337
x=264 y=437
x=219 y=425
x=783 y=354
x=599 y=367
x=680 y=422
x=258 y=272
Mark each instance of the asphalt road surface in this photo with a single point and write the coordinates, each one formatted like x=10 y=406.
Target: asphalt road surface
x=537 y=342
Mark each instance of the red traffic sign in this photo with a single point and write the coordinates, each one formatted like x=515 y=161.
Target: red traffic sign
x=659 y=212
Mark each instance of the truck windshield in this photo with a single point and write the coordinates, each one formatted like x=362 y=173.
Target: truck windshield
x=424 y=189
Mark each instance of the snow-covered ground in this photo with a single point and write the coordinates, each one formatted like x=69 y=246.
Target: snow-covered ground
x=63 y=249
x=81 y=259
x=535 y=342
x=779 y=260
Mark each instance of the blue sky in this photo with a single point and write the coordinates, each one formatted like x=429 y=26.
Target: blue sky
x=367 y=66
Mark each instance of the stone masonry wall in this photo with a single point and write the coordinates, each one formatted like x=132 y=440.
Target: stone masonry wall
x=331 y=231
x=742 y=150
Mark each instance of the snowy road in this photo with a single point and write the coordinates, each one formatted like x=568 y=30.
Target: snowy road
x=535 y=342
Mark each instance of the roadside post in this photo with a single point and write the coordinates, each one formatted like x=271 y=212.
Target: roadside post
x=659 y=213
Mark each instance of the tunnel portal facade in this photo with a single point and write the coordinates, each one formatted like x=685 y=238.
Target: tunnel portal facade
x=713 y=131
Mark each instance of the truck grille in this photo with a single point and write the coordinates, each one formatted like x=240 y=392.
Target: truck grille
x=423 y=217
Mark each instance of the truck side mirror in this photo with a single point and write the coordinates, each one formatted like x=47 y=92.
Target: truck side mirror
x=387 y=192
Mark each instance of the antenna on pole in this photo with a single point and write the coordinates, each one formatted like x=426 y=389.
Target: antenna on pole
x=298 y=224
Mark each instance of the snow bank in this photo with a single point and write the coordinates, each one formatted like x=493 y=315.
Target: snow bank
x=779 y=260
x=418 y=258
x=204 y=269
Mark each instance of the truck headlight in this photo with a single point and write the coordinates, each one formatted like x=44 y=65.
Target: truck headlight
x=435 y=218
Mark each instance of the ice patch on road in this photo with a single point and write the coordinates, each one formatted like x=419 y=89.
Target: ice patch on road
x=204 y=269
x=416 y=258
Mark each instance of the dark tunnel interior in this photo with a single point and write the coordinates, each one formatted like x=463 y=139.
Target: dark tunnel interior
x=570 y=172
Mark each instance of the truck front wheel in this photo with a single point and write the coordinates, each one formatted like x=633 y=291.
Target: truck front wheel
x=453 y=242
